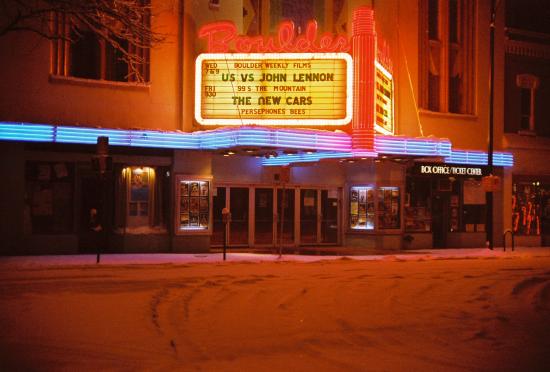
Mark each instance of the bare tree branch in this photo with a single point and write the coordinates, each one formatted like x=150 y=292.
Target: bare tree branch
x=114 y=21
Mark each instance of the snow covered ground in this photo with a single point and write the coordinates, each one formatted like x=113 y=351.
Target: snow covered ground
x=446 y=310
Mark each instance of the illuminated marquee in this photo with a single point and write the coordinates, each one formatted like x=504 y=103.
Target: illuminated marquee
x=274 y=89
x=383 y=110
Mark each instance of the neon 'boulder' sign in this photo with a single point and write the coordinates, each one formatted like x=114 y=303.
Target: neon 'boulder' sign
x=222 y=37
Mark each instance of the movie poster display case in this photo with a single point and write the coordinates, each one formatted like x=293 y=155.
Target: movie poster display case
x=193 y=205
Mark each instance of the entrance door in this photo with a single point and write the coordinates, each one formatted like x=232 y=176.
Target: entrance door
x=218 y=204
x=263 y=212
x=329 y=216
x=309 y=216
x=238 y=205
x=236 y=200
x=440 y=220
x=287 y=216
x=94 y=194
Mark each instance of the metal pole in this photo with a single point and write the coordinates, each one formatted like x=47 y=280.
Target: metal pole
x=282 y=221
x=224 y=240
x=489 y=194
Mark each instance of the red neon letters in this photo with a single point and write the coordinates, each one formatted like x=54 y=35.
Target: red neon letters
x=222 y=38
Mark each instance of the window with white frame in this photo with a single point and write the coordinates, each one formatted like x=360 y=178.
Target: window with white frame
x=79 y=51
x=447 y=43
x=142 y=198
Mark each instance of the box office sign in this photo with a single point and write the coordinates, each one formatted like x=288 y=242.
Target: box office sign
x=449 y=170
x=274 y=88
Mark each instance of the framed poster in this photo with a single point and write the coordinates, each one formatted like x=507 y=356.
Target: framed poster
x=204 y=188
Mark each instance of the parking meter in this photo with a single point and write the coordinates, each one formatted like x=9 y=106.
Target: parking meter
x=226 y=218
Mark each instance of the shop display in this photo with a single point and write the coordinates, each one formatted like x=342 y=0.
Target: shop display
x=194 y=205
x=361 y=208
x=388 y=208
x=418 y=219
x=530 y=208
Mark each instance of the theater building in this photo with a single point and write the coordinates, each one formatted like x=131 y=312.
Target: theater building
x=527 y=118
x=334 y=123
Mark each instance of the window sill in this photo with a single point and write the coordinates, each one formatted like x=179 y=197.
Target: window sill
x=378 y=232
x=57 y=79
x=528 y=133
x=448 y=115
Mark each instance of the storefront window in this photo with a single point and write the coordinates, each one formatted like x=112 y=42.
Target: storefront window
x=531 y=208
x=193 y=209
x=473 y=208
x=444 y=204
x=388 y=208
x=139 y=192
x=142 y=198
x=418 y=207
x=362 y=208
x=49 y=198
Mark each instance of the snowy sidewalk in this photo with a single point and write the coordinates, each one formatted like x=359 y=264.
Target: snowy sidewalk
x=184 y=258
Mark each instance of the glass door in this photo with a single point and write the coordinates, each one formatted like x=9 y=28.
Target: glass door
x=263 y=211
x=329 y=216
x=308 y=216
x=217 y=205
x=238 y=206
x=287 y=216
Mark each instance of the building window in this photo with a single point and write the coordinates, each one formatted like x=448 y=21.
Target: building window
x=141 y=179
x=444 y=204
x=528 y=85
x=264 y=16
x=49 y=198
x=418 y=206
x=447 y=30
x=89 y=56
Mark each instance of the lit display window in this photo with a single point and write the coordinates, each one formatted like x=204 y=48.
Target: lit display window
x=361 y=208
x=530 y=208
x=193 y=209
x=140 y=180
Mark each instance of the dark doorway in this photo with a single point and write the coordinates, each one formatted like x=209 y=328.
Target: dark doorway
x=238 y=227
x=94 y=194
x=263 y=204
x=308 y=216
x=288 y=217
x=545 y=230
x=218 y=206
